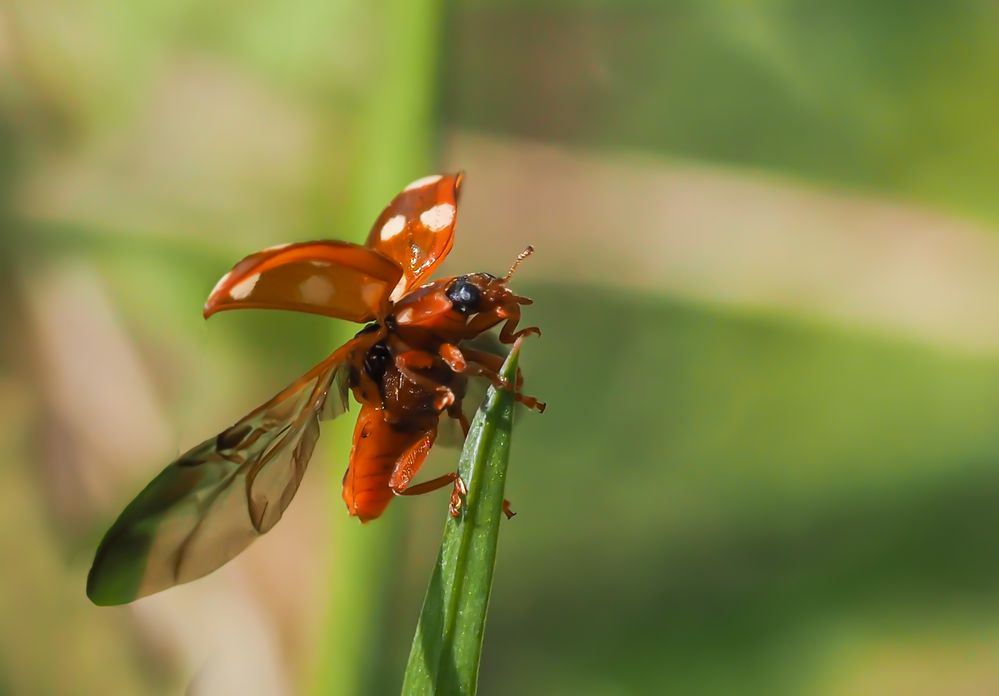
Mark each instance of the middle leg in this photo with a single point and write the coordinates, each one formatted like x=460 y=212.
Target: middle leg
x=476 y=363
x=408 y=362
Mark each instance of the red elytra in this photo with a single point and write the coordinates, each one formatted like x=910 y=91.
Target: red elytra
x=407 y=367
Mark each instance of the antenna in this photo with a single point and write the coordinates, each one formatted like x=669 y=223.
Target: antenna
x=523 y=255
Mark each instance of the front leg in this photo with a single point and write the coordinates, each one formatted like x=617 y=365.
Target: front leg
x=509 y=333
x=510 y=312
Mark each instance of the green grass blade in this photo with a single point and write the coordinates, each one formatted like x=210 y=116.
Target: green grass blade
x=445 y=655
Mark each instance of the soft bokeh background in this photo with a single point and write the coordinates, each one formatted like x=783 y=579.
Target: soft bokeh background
x=767 y=273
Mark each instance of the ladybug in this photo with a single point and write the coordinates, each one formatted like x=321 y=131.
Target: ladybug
x=407 y=367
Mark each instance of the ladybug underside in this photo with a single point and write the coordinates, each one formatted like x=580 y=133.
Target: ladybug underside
x=411 y=370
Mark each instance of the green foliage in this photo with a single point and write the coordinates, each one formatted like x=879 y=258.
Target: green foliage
x=891 y=97
x=737 y=497
x=448 y=642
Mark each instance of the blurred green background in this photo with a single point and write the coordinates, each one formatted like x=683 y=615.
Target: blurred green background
x=767 y=271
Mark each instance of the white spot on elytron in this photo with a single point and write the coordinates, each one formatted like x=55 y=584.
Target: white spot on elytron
x=439 y=217
x=399 y=290
x=372 y=294
x=393 y=226
x=319 y=264
x=218 y=285
x=242 y=289
x=405 y=316
x=425 y=181
x=317 y=290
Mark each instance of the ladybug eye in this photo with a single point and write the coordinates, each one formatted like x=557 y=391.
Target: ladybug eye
x=464 y=295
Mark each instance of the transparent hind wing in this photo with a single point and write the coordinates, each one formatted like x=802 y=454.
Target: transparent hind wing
x=208 y=505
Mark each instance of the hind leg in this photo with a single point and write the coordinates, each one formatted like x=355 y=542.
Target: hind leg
x=409 y=464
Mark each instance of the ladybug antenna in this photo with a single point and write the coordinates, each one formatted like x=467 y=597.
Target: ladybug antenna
x=523 y=255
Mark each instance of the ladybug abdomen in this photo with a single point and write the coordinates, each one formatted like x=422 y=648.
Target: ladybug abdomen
x=383 y=459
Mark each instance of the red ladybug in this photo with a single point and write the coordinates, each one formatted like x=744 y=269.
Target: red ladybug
x=407 y=367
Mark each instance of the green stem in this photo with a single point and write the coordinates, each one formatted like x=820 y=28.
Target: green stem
x=447 y=647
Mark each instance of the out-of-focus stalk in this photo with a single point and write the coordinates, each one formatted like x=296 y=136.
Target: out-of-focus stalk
x=391 y=143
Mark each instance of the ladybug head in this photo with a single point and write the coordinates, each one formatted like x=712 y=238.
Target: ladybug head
x=482 y=292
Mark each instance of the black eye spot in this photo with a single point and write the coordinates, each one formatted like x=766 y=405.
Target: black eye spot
x=464 y=295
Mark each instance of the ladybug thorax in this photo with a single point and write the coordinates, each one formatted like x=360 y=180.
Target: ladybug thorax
x=423 y=305
x=445 y=308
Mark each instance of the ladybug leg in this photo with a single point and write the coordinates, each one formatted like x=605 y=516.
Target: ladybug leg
x=488 y=365
x=485 y=321
x=509 y=333
x=460 y=490
x=510 y=514
x=408 y=362
x=477 y=363
x=429 y=486
x=461 y=362
x=414 y=360
x=453 y=357
x=410 y=462
x=530 y=402
x=491 y=362
x=510 y=311
x=455 y=412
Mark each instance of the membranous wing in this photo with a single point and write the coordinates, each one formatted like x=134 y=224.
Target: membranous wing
x=416 y=230
x=209 y=504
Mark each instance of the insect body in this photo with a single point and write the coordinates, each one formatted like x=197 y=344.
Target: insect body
x=420 y=373
x=407 y=367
